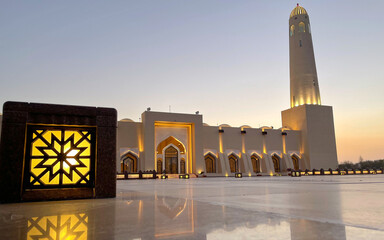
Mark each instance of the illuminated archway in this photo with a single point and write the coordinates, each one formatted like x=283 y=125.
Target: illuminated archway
x=233 y=163
x=168 y=141
x=276 y=162
x=128 y=163
x=256 y=163
x=210 y=163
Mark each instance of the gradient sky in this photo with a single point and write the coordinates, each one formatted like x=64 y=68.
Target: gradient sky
x=228 y=59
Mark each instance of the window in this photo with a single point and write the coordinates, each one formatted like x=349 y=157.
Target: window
x=233 y=163
x=300 y=44
x=292 y=30
x=301 y=27
x=255 y=163
x=276 y=162
x=210 y=165
x=309 y=28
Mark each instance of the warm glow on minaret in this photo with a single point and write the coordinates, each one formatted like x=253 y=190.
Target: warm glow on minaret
x=303 y=75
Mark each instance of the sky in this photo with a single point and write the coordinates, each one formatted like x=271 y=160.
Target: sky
x=228 y=59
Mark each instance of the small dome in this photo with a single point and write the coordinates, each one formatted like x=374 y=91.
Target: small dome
x=298 y=10
x=126 y=120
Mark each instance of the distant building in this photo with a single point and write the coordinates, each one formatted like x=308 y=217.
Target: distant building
x=181 y=143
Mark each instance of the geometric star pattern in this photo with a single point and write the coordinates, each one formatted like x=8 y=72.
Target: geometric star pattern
x=60 y=157
x=73 y=226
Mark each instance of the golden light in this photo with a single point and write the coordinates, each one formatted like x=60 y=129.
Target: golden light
x=73 y=226
x=59 y=156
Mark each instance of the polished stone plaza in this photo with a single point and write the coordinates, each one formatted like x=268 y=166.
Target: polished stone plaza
x=321 y=207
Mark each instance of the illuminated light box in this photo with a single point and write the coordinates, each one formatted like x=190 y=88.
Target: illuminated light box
x=184 y=176
x=238 y=175
x=54 y=152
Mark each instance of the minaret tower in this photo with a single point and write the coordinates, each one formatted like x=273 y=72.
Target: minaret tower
x=307 y=115
x=303 y=75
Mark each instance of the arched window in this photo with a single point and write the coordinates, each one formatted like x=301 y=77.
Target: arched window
x=295 y=161
x=233 y=163
x=292 y=30
x=182 y=166
x=301 y=27
x=171 y=160
x=255 y=163
x=210 y=163
x=276 y=162
x=129 y=163
x=159 y=166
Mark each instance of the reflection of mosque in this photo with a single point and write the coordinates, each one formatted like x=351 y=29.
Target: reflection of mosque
x=145 y=216
x=175 y=218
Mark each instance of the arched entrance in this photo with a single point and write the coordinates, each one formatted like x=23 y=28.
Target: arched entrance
x=210 y=163
x=128 y=163
x=255 y=163
x=276 y=162
x=233 y=163
x=171 y=156
x=295 y=161
x=171 y=160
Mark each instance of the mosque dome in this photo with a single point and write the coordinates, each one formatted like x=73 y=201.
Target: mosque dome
x=298 y=10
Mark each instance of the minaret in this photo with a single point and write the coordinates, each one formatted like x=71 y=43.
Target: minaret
x=303 y=75
x=314 y=121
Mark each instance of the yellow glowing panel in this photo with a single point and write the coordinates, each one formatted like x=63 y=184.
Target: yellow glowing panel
x=133 y=176
x=74 y=226
x=59 y=157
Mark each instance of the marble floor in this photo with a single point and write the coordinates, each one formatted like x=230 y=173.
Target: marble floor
x=312 y=207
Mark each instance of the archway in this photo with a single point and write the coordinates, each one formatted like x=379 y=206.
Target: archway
x=128 y=163
x=295 y=161
x=255 y=163
x=210 y=163
x=276 y=162
x=171 y=160
x=233 y=163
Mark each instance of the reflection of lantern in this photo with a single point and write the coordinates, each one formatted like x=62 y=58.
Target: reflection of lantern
x=238 y=175
x=57 y=152
x=72 y=226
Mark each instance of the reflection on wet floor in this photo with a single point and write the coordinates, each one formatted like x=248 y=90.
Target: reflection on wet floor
x=73 y=226
x=154 y=215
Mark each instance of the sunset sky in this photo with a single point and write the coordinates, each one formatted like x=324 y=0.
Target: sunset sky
x=228 y=59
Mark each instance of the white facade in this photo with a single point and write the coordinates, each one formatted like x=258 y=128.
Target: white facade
x=181 y=143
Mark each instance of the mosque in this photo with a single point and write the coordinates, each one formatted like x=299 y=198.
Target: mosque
x=177 y=143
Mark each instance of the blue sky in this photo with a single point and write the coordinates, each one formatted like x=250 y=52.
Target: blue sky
x=227 y=59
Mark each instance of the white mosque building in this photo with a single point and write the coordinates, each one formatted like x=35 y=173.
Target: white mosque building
x=181 y=143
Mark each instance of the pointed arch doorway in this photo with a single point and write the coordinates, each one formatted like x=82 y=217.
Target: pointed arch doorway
x=171 y=160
